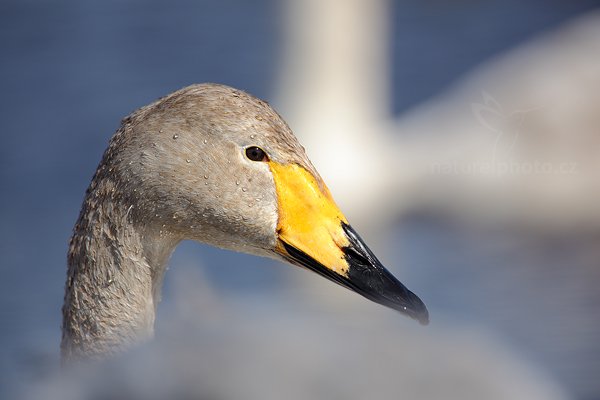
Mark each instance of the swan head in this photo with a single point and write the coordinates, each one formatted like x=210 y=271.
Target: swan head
x=214 y=164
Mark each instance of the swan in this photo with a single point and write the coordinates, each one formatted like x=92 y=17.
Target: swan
x=213 y=164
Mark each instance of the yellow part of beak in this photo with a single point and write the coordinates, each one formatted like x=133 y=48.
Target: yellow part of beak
x=309 y=219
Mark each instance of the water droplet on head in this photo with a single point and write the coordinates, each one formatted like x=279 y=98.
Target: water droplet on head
x=188 y=161
x=237 y=182
x=160 y=131
x=252 y=136
x=205 y=141
x=244 y=189
x=205 y=176
x=175 y=136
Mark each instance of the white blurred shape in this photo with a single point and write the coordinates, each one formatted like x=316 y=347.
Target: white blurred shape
x=543 y=173
x=335 y=94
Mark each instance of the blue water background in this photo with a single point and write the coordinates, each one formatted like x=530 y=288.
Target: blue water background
x=70 y=70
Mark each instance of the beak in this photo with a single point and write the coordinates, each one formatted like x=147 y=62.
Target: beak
x=314 y=234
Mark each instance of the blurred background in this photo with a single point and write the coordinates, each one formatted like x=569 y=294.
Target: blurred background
x=461 y=138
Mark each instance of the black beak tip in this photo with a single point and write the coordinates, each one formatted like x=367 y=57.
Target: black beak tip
x=408 y=303
x=365 y=276
x=418 y=310
x=368 y=277
x=424 y=319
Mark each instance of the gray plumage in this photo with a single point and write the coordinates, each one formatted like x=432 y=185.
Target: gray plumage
x=174 y=170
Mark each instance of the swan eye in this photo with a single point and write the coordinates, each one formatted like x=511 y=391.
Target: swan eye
x=256 y=154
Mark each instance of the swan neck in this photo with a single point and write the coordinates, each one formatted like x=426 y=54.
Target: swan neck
x=114 y=278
